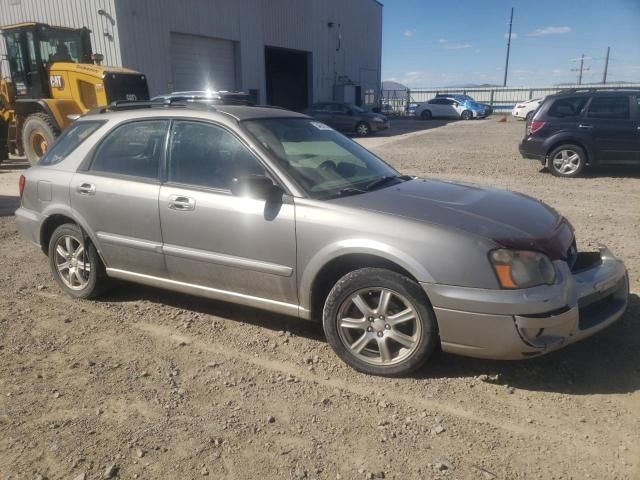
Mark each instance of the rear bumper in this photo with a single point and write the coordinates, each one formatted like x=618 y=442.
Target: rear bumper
x=29 y=224
x=532 y=150
x=516 y=324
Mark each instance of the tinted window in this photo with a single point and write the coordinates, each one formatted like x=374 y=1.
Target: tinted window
x=70 y=140
x=340 y=108
x=132 y=149
x=614 y=107
x=567 y=107
x=205 y=155
x=322 y=107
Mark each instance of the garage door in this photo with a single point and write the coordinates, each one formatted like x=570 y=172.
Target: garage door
x=199 y=63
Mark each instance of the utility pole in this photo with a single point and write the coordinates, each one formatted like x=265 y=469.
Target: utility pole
x=506 y=63
x=606 y=67
x=581 y=69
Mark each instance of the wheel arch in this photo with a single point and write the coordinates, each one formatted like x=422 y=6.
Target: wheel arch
x=572 y=141
x=324 y=270
x=56 y=217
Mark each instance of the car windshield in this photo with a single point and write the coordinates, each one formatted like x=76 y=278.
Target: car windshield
x=325 y=163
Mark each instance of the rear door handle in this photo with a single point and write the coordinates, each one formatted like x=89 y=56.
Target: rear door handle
x=585 y=125
x=182 y=203
x=87 y=189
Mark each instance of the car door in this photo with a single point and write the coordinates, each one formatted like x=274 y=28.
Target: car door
x=608 y=120
x=116 y=195
x=236 y=246
x=435 y=107
x=450 y=108
x=322 y=112
x=342 y=118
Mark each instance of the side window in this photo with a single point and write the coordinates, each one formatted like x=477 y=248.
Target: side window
x=340 y=108
x=133 y=149
x=70 y=139
x=205 y=155
x=567 y=107
x=614 y=107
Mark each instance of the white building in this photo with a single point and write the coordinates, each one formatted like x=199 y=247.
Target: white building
x=290 y=52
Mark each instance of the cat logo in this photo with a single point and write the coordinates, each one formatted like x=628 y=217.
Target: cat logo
x=56 y=81
x=130 y=97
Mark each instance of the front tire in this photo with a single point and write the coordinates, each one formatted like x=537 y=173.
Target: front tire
x=363 y=129
x=75 y=263
x=567 y=161
x=380 y=322
x=39 y=132
x=467 y=115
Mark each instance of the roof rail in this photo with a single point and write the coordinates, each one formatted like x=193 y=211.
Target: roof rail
x=121 y=105
x=570 y=91
x=276 y=107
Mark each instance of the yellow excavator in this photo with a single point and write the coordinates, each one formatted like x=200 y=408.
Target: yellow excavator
x=53 y=77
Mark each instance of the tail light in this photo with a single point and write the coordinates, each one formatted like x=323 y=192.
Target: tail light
x=535 y=126
x=21 y=185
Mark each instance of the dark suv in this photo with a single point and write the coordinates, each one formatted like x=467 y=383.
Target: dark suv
x=576 y=128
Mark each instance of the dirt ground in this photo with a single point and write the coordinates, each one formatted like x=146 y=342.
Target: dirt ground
x=149 y=384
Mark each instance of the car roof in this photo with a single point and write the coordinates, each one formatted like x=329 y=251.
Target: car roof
x=238 y=112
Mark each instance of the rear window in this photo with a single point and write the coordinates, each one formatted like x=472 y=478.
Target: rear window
x=613 y=107
x=70 y=139
x=567 y=107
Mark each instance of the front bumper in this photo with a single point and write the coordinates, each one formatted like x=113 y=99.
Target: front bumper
x=515 y=324
x=379 y=126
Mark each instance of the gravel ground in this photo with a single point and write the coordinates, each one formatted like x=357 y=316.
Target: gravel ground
x=150 y=384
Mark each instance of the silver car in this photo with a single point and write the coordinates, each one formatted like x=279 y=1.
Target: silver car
x=276 y=210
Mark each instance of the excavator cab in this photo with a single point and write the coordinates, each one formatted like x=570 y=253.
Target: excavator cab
x=54 y=78
x=33 y=47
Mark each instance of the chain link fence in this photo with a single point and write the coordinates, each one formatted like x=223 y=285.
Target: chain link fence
x=502 y=99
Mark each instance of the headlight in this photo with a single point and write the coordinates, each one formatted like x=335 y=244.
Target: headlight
x=522 y=269
x=378 y=119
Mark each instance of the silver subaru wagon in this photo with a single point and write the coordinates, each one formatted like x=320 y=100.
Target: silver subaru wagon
x=278 y=211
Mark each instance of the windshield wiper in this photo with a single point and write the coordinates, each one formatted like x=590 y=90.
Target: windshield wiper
x=350 y=191
x=382 y=180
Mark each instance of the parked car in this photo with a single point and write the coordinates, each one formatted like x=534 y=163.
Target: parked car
x=525 y=110
x=274 y=209
x=581 y=128
x=207 y=96
x=488 y=109
x=450 y=107
x=349 y=118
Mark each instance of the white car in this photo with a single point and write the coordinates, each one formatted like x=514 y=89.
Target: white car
x=525 y=110
x=450 y=107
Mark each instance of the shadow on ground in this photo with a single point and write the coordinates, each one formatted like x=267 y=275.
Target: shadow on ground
x=403 y=125
x=8 y=205
x=608 y=362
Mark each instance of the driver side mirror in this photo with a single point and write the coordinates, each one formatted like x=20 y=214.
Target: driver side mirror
x=256 y=186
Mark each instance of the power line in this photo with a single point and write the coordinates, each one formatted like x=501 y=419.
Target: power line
x=506 y=63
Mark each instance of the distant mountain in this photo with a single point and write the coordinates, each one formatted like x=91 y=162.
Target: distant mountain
x=390 y=85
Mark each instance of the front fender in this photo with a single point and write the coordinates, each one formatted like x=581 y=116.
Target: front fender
x=361 y=246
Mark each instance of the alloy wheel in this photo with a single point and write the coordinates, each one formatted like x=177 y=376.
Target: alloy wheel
x=72 y=262
x=363 y=129
x=379 y=326
x=566 y=162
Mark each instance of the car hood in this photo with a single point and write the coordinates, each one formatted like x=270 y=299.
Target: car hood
x=510 y=219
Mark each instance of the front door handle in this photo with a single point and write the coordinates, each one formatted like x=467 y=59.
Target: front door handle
x=182 y=203
x=585 y=125
x=87 y=189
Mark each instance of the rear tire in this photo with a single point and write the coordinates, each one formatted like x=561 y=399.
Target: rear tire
x=567 y=161
x=389 y=337
x=39 y=132
x=75 y=263
x=426 y=115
